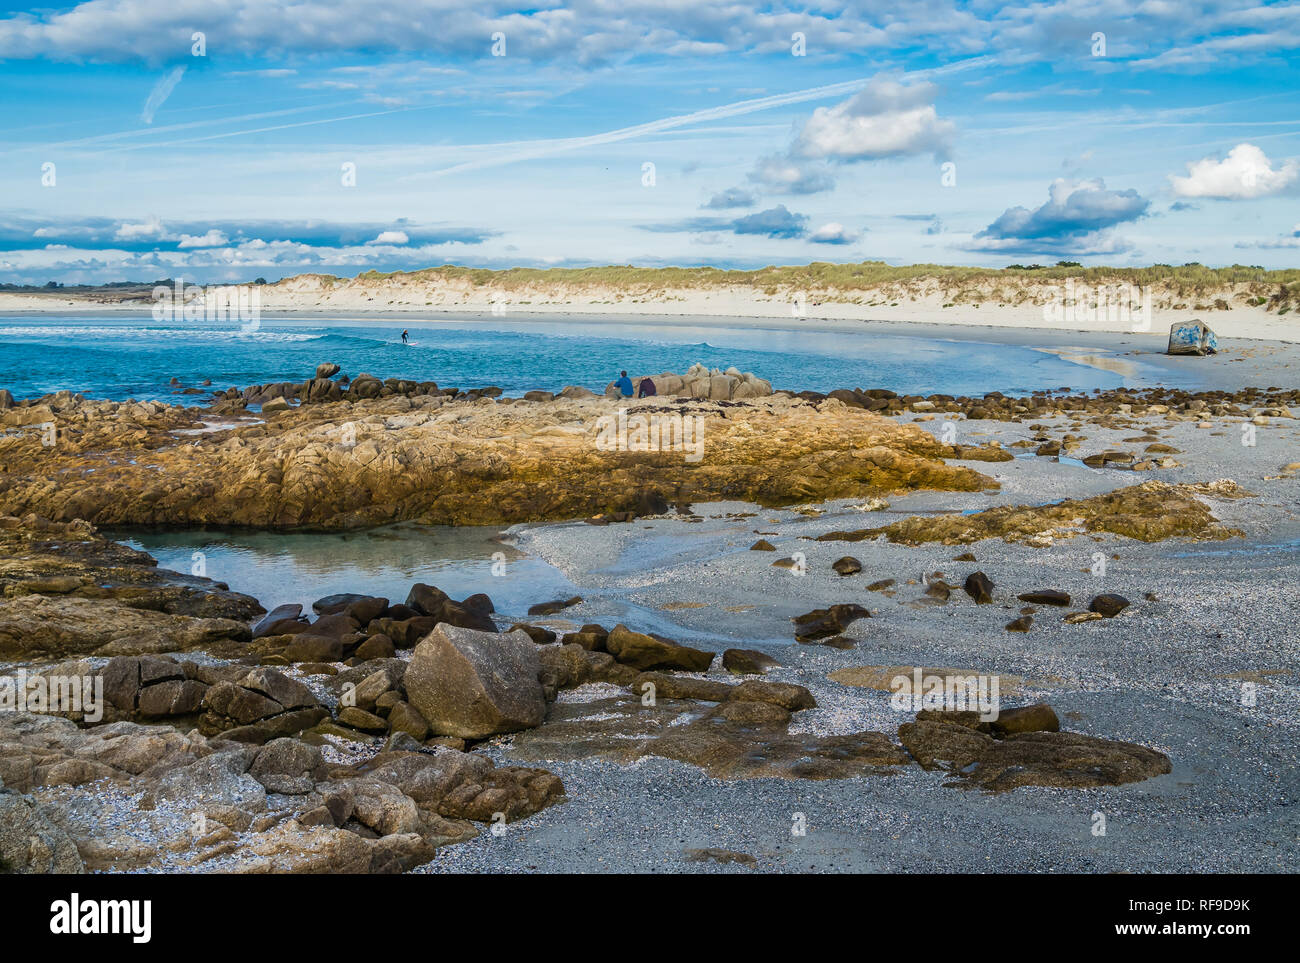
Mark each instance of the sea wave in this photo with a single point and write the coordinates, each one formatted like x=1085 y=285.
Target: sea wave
x=197 y=334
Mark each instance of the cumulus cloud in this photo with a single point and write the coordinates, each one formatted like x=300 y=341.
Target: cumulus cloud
x=885 y=119
x=1072 y=208
x=391 y=237
x=834 y=233
x=780 y=174
x=731 y=197
x=1245 y=173
x=590 y=31
x=773 y=222
x=147 y=230
x=212 y=238
x=1077 y=218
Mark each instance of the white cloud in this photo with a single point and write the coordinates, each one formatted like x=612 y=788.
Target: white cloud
x=596 y=31
x=150 y=228
x=161 y=91
x=1245 y=173
x=779 y=174
x=212 y=238
x=391 y=237
x=834 y=233
x=886 y=119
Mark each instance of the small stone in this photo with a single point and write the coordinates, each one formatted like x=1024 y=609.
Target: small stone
x=1046 y=597
x=1074 y=618
x=1021 y=624
x=938 y=589
x=979 y=587
x=848 y=565
x=1108 y=605
x=747 y=661
x=762 y=545
x=558 y=605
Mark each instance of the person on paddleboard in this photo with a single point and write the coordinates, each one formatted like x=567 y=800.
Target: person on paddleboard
x=404 y=337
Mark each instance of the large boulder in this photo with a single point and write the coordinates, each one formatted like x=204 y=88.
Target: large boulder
x=473 y=684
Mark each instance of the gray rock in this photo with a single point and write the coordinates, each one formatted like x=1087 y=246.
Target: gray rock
x=474 y=684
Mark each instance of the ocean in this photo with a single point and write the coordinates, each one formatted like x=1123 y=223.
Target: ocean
x=136 y=357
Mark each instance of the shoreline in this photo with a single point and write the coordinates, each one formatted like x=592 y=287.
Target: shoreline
x=1241 y=322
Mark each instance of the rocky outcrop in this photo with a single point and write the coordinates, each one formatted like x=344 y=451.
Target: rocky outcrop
x=428 y=458
x=1148 y=512
x=67 y=591
x=258 y=706
x=178 y=802
x=37 y=625
x=702 y=383
x=30 y=843
x=1026 y=753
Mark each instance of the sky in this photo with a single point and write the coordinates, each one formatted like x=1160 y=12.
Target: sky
x=224 y=140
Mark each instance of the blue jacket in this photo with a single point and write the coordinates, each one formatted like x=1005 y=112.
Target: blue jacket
x=624 y=385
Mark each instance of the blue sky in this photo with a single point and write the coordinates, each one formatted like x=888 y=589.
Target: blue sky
x=944 y=132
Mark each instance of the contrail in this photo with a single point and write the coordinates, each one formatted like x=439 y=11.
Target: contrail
x=161 y=91
x=547 y=147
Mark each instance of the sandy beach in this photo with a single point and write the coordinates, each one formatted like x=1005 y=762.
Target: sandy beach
x=1017 y=304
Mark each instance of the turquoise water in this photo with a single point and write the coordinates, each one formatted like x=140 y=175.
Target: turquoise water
x=276 y=568
x=137 y=357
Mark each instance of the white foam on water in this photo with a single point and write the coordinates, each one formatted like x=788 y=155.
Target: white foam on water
x=197 y=334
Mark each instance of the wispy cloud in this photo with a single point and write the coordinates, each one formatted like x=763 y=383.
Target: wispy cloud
x=161 y=91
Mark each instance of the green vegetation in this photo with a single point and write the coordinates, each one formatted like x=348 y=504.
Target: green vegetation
x=1187 y=280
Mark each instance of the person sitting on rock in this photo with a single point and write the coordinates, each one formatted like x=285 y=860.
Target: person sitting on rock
x=624 y=385
x=646 y=389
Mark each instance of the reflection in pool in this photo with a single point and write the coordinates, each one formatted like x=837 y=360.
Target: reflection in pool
x=276 y=568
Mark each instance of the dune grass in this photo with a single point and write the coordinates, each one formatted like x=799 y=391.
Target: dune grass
x=1187 y=280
